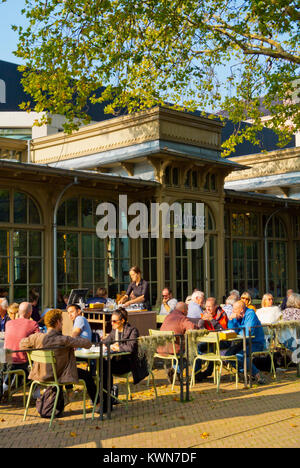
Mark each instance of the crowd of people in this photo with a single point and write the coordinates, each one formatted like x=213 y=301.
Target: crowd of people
x=21 y=326
x=238 y=312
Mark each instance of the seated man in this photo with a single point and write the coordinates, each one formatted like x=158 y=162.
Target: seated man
x=101 y=297
x=168 y=302
x=177 y=322
x=208 y=320
x=63 y=347
x=81 y=326
x=219 y=317
x=15 y=331
x=195 y=306
x=4 y=317
x=242 y=317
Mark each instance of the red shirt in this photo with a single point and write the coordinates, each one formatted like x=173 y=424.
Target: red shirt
x=177 y=322
x=15 y=331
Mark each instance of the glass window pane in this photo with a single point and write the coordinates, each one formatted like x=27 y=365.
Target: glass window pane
x=175 y=176
x=72 y=212
x=61 y=245
x=4 y=272
x=153 y=247
x=35 y=271
x=20 y=208
x=153 y=270
x=99 y=266
x=34 y=217
x=20 y=270
x=87 y=213
x=87 y=271
x=146 y=274
x=61 y=270
x=4 y=206
x=35 y=244
x=61 y=215
x=72 y=245
x=20 y=243
x=124 y=247
x=4 y=239
x=99 y=245
x=72 y=270
x=124 y=271
x=145 y=248
x=87 y=245
x=213 y=182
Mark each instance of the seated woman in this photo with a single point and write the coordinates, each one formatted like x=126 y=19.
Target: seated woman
x=246 y=298
x=122 y=330
x=268 y=313
x=292 y=311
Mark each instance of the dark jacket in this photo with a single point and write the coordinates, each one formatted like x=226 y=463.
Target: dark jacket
x=139 y=367
x=4 y=321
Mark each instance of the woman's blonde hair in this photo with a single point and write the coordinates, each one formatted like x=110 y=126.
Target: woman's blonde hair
x=293 y=301
x=264 y=299
x=13 y=310
x=246 y=295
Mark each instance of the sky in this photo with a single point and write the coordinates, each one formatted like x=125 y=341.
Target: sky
x=10 y=13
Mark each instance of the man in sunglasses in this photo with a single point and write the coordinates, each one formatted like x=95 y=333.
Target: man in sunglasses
x=168 y=302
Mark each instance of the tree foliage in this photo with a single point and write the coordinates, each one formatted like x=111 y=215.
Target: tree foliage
x=195 y=54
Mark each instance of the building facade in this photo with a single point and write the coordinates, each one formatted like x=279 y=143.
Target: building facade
x=161 y=156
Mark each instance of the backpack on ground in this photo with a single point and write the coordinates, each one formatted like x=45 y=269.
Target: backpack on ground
x=45 y=403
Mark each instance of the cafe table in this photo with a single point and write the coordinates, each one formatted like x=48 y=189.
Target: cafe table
x=94 y=353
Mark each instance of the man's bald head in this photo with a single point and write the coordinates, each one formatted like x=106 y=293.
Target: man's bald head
x=239 y=308
x=182 y=307
x=25 y=310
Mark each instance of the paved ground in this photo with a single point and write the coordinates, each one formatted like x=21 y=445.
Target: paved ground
x=267 y=416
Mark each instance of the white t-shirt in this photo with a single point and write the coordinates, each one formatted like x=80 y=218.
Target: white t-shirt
x=269 y=314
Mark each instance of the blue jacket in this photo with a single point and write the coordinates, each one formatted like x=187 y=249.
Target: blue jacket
x=249 y=320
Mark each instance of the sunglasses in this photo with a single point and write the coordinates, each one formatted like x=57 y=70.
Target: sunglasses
x=115 y=321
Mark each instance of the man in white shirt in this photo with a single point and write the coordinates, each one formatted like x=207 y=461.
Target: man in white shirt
x=168 y=302
x=196 y=305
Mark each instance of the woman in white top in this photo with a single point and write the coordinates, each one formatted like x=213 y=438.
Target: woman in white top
x=268 y=313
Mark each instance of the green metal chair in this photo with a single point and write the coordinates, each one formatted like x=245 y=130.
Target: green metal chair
x=48 y=357
x=17 y=373
x=216 y=358
x=270 y=347
x=167 y=356
x=128 y=392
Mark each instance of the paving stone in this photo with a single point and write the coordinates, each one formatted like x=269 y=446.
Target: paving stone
x=266 y=416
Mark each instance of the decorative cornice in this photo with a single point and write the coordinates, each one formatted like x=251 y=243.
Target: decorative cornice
x=155 y=124
x=272 y=163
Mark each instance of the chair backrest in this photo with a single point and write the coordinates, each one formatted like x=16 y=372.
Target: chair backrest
x=165 y=333
x=43 y=357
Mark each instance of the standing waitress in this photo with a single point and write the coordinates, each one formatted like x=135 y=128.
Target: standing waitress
x=138 y=290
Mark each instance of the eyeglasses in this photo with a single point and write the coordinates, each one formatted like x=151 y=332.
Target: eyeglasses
x=115 y=321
